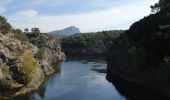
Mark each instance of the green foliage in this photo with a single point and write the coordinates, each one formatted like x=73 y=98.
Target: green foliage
x=35 y=30
x=5 y=27
x=5 y=70
x=28 y=66
x=89 y=42
x=38 y=41
x=26 y=30
x=162 y=5
x=138 y=56
x=41 y=53
x=164 y=27
x=152 y=35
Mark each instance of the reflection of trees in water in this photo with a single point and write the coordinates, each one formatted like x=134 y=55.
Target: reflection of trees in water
x=131 y=90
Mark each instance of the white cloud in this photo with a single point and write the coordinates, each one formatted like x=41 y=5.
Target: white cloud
x=53 y=2
x=27 y=13
x=119 y=17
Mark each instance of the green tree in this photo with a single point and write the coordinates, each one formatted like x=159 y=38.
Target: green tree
x=35 y=30
x=26 y=30
x=161 y=5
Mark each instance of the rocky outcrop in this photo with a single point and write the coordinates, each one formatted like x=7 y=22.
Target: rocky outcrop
x=24 y=66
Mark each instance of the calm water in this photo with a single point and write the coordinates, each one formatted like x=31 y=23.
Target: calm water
x=77 y=81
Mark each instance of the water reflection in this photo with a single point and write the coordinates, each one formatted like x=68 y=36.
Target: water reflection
x=133 y=91
x=76 y=81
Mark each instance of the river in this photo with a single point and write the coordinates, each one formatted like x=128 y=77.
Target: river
x=82 y=80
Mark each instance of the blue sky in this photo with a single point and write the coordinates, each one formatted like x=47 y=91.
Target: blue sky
x=88 y=15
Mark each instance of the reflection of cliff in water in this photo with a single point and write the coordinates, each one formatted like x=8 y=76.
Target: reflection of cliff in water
x=131 y=90
x=41 y=92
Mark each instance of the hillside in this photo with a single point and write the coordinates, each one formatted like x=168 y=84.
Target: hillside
x=142 y=53
x=89 y=44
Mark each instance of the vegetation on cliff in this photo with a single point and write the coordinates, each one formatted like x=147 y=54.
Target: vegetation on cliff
x=26 y=58
x=142 y=54
x=5 y=27
x=151 y=35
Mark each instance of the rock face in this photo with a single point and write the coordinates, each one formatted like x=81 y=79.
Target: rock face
x=67 y=31
x=24 y=66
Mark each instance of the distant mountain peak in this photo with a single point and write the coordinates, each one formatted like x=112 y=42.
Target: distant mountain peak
x=72 y=27
x=67 y=31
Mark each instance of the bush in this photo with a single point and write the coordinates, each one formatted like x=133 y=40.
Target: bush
x=41 y=53
x=5 y=27
x=5 y=70
x=38 y=41
x=28 y=66
x=20 y=35
x=164 y=27
x=138 y=56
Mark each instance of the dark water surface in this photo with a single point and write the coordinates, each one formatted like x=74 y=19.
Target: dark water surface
x=78 y=80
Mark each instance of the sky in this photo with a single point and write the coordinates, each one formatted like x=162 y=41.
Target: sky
x=88 y=15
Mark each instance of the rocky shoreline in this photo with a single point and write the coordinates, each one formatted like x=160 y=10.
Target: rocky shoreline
x=34 y=85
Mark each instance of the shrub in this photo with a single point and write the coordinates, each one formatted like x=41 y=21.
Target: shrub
x=28 y=66
x=5 y=70
x=41 y=53
x=163 y=27
x=20 y=35
x=138 y=56
x=5 y=27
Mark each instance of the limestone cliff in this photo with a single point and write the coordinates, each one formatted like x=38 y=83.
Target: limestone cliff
x=25 y=65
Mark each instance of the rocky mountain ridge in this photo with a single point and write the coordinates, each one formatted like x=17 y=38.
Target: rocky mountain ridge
x=67 y=31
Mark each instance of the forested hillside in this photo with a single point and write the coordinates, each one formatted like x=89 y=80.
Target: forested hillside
x=89 y=44
x=142 y=54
